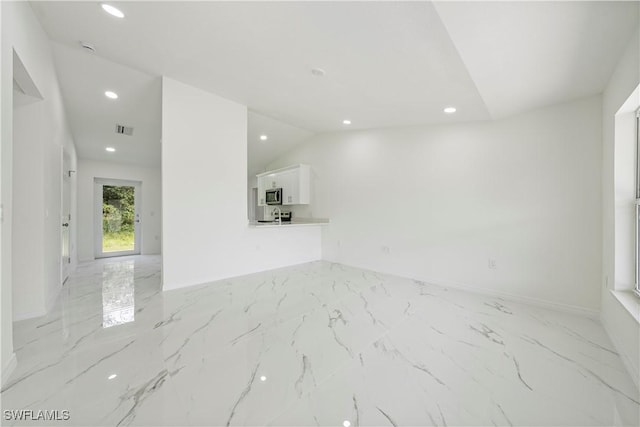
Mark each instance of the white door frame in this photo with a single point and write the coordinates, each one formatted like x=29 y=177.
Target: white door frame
x=97 y=223
x=65 y=216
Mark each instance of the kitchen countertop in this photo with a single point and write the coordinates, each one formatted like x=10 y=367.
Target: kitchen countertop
x=301 y=222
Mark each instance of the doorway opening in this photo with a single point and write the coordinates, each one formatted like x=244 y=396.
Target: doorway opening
x=25 y=208
x=117 y=224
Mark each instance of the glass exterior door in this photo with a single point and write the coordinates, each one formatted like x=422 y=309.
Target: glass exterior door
x=119 y=219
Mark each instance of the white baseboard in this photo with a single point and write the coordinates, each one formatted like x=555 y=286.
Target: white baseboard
x=631 y=369
x=39 y=313
x=553 y=305
x=233 y=275
x=8 y=368
x=17 y=317
x=567 y=308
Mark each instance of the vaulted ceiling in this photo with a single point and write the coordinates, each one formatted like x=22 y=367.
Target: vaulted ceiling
x=385 y=63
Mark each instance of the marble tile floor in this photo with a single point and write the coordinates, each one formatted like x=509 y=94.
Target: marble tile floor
x=314 y=344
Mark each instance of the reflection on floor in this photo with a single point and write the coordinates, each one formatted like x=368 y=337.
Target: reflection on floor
x=118 y=293
x=315 y=344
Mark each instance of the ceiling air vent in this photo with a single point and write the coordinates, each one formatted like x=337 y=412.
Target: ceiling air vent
x=124 y=130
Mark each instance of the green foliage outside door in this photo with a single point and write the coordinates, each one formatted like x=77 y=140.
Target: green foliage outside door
x=118 y=216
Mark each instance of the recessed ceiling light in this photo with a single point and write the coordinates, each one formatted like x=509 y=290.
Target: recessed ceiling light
x=263 y=137
x=346 y=122
x=263 y=378
x=110 y=149
x=318 y=72
x=450 y=110
x=111 y=95
x=346 y=423
x=112 y=376
x=112 y=10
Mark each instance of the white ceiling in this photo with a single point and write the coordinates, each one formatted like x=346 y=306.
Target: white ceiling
x=281 y=138
x=524 y=55
x=84 y=77
x=387 y=63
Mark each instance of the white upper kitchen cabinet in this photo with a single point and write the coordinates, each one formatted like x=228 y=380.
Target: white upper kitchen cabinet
x=262 y=182
x=295 y=182
x=271 y=181
x=296 y=185
x=288 y=181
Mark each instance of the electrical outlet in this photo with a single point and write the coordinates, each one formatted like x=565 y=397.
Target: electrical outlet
x=338 y=243
x=492 y=263
x=386 y=250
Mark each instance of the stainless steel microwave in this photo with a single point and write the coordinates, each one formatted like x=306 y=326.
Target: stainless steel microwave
x=273 y=196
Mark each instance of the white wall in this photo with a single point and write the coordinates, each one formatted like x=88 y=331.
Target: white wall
x=150 y=210
x=22 y=32
x=204 y=195
x=524 y=192
x=7 y=356
x=622 y=327
x=28 y=226
x=625 y=198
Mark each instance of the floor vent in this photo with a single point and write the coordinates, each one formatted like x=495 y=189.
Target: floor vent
x=124 y=130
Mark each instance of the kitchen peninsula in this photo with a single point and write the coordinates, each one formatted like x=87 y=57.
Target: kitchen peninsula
x=302 y=222
x=279 y=191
